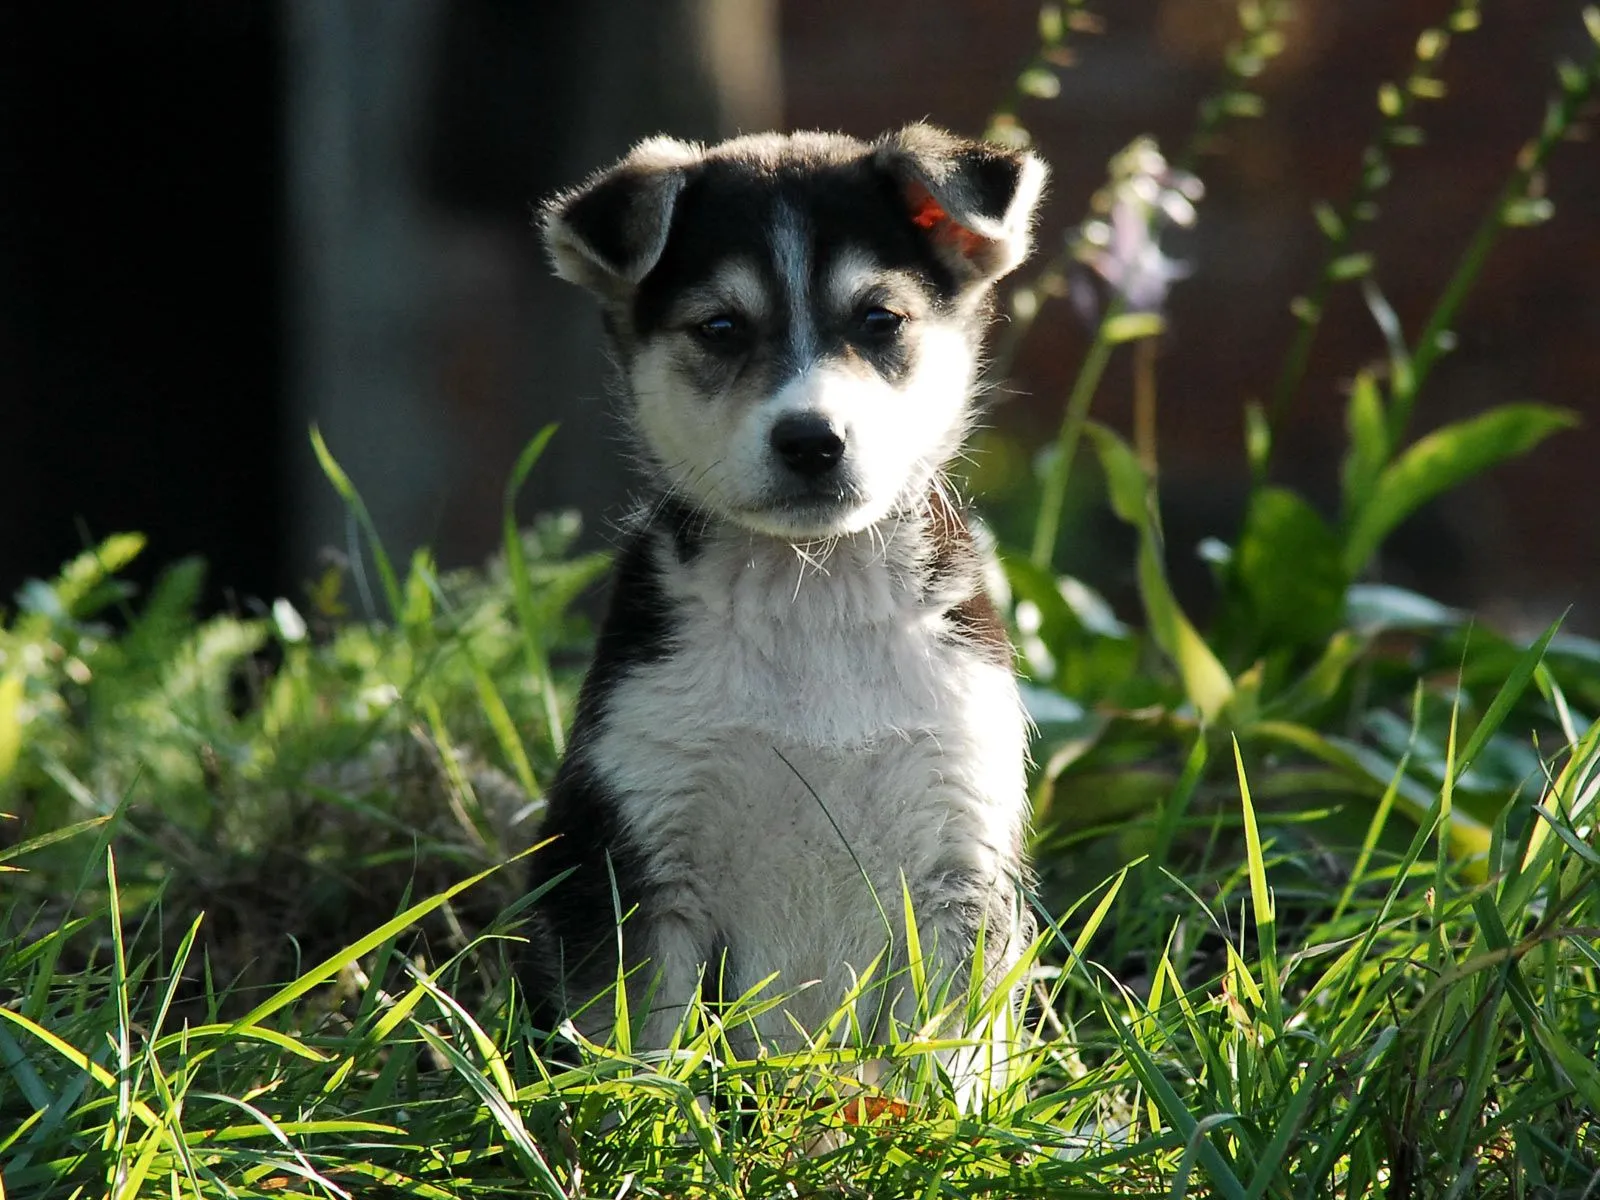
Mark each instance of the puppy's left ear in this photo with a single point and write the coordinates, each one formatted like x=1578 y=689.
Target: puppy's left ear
x=975 y=200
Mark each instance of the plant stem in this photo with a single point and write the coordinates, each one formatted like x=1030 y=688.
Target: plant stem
x=1559 y=118
x=1144 y=404
x=1359 y=208
x=1054 y=499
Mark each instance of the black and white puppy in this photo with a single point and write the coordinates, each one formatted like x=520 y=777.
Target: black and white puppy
x=802 y=708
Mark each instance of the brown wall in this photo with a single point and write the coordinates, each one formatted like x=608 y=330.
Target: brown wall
x=1526 y=535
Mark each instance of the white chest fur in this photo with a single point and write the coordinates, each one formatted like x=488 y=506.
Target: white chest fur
x=814 y=737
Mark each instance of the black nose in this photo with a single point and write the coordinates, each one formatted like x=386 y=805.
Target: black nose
x=808 y=444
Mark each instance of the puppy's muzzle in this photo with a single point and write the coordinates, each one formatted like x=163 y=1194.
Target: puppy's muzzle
x=807 y=444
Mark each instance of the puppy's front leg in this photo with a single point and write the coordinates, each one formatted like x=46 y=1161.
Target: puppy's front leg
x=960 y=917
x=679 y=948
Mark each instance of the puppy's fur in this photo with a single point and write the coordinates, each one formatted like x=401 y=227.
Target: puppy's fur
x=802 y=707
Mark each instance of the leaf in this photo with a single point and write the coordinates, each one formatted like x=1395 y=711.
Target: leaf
x=1367 y=425
x=1402 y=380
x=80 y=579
x=1328 y=220
x=10 y=722
x=1350 y=266
x=522 y=590
x=353 y=501
x=1132 y=326
x=1039 y=82
x=49 y=838
x=1377 y=607
x=1205 y=681
x=1510 y=692
x=1443 y=460
x=336 y=961
x=1289 y=569
x=1069 y=637
x=1257 y=438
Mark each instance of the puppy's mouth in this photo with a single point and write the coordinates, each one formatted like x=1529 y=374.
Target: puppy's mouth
x=810 y=511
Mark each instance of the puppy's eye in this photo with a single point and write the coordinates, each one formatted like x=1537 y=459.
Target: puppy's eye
x=722 y=332
x=879 y=323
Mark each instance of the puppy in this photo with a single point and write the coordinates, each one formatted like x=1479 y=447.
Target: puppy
x=802 y=708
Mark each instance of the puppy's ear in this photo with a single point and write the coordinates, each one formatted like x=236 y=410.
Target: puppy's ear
x=975 y=200
x=607 y=234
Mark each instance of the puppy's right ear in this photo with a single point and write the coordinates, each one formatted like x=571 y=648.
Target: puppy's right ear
x=607 y=234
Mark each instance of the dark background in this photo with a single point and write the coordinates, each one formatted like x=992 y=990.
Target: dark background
x=222 y=221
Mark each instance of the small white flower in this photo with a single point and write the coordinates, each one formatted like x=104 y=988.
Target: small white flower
x=1123 y=247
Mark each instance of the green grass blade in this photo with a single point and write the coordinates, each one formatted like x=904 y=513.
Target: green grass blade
x=331 y=965
x=1262 y=905
x=347 y=492
x=533 y=641
x=1509 y=693
x=535 y=1168
x=1176 y=1113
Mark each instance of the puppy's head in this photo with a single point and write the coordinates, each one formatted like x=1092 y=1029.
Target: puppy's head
x=799 y=316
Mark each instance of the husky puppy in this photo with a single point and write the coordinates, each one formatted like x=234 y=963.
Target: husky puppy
x=802 y=709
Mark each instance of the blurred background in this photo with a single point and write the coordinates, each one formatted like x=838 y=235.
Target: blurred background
x=223 y=220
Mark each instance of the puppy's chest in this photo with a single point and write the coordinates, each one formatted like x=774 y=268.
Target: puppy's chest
x=797 y=711
x=834 y=655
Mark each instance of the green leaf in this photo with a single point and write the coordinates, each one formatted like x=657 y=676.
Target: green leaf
x=1321 y=681
x=533 y=642
x=1378 y=607
x=1367 y=424
x=1350 y=266
x=330 y=966
x=1039 y=82
x=1205 y=681
x=1510 y=692
x=1329 y=221
x=10 y=722
x=1402 y=379
x=352 y=498
x=1257 y=438
x=1072 y=639
x=421 y=581
x=1289 y=569
x=81 y=578
x=49 y=838
x=1529 y=210
x=1443 y=460
x=1195 y=1132
x=1052 y=25
x=1131 y=326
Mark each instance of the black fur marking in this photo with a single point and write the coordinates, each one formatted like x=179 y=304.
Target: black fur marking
x=728 y=208
x=601 y=217
x=686 y=525
x=619 y=217
x=637 y=628
x=994 y=180
x=576 y=946
x=575 y=924
x=956 y=566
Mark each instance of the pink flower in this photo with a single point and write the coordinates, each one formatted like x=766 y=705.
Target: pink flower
x=1123 y=247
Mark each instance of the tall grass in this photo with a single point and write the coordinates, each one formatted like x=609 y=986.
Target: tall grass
x=1317 y=881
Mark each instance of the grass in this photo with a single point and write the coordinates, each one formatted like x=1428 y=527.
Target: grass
x=1317 y=881
x=1245 y=1009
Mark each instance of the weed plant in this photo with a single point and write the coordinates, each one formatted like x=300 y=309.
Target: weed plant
x=1317 y=882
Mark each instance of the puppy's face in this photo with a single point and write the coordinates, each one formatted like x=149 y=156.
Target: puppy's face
x=799 y=316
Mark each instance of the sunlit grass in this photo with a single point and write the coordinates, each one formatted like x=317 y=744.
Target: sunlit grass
x=1317 y=883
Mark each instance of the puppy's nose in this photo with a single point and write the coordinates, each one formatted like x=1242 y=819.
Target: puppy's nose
x=808 y=444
